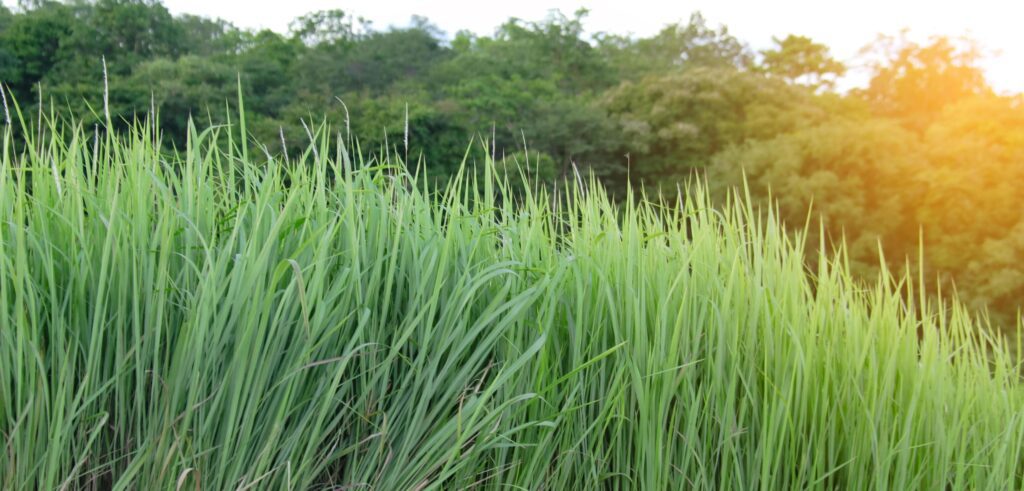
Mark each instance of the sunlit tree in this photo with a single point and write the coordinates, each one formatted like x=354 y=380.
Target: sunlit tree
x=914 y=81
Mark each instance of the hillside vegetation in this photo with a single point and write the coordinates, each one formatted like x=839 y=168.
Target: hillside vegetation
x=925 y=153
x=217 y=318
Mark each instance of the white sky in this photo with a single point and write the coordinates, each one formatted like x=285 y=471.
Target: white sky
x=844 y=25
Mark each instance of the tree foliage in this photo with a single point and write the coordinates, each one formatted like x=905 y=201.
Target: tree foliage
x=915 y=82
x=798 y=59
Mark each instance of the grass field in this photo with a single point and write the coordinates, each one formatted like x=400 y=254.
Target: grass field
x=214 y=321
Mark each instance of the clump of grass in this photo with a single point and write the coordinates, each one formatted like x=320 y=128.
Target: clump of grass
x=214 y=320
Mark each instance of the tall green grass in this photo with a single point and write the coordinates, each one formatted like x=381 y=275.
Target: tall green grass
x=220 y=320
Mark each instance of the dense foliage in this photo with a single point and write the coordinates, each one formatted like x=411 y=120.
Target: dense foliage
x=926 y=154
x=215 y=319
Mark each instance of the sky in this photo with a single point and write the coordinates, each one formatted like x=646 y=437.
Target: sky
x=845 y=26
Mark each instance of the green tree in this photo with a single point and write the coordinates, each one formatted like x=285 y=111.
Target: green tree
x=266 y=63
x=33 y=39
x=534 y=83
x=328 y=27
x=188 y=87
x=131 y=30
x=208 y=37
x=555 y=48
x=8 y=60
x=915 y=82
x=677 y=46
x=675 y=123
x=798 y=59
x=383 y=59
x=124 y=32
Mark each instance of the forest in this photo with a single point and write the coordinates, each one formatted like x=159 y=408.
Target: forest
x=921 y=164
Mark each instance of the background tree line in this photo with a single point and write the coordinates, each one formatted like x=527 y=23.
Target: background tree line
x=927 y=153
